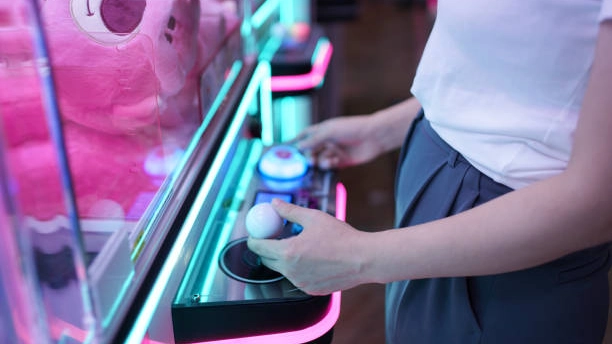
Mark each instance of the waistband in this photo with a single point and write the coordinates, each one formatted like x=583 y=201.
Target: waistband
x=422 y=126
x=453 y=154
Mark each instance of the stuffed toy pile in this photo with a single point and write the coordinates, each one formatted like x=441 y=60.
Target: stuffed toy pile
x=126 y=76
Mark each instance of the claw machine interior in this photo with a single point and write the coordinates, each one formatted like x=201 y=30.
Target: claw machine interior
x=133 y=138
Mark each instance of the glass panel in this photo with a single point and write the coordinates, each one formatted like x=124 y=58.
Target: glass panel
x=241 y=117
x=38 y=191
x=22 y=317
x=127 y=76
x=100 y=144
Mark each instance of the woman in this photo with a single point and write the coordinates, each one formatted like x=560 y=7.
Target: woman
x=502 y=195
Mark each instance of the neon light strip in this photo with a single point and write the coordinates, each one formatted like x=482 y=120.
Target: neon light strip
x=296 y=115
x=61 y=330
x=315 y=331
x=313 y=79
x=290 y=128
x=225 y=88
x=301 y=336
x=214 y=265
x=118 y=300
x=341 y=196
x=231 y=78
x=249 y=169
x=267 y=115
x=264 y=12
x=259 y=80
x=210 y=223
x=146 y=313
x=270 y=48
x=287 y=15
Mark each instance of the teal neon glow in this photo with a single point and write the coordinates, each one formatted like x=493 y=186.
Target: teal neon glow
x=295 y=11
x=231 y=77
x=146 y=313
x=322 y=42
x=311 y=80
x=246 y=28
x=267 y=118
x=118 y=300
x=258 y=83
x=270 y=48
x=148 y=309
x=228 y=182
x=287 y=14
x=288 y=106
x=264 y=12
x=239 y=196
x=295 y=112
x=262 y=73
x=229 y=81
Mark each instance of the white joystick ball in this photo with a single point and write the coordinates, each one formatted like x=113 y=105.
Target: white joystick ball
x=263 y=222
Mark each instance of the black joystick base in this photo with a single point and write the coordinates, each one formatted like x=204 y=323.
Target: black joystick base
x=242 y=264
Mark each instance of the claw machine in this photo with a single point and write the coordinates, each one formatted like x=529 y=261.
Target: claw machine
x=132 y=133
x=299 y=54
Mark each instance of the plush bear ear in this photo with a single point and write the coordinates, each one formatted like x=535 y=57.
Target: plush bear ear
x=172 y=27
x=122 y=17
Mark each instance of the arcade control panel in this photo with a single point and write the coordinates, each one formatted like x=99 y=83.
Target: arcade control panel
x=240 y=297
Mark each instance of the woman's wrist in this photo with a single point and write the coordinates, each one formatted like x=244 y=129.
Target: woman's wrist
x=373 y=258
x=389 y=130
x=391 y=124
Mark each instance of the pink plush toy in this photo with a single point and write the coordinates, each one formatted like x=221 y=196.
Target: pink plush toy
x=115 y=80
x=127 y=79
x=117 y=66
x=29 y=152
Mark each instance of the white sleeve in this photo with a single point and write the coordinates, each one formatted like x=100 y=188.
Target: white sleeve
x=606 y=10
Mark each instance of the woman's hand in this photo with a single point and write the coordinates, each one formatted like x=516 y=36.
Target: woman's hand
x=352 y=140
x=340 y=142
x=326 y=256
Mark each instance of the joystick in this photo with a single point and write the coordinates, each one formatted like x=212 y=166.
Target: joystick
x=263 y=222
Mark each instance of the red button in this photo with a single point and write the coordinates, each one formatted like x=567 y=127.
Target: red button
x=283 y=154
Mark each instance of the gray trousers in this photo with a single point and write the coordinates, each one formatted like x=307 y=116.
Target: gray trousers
x=564 y=301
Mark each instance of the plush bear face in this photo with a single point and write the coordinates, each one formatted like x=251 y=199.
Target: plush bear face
x=116 y=61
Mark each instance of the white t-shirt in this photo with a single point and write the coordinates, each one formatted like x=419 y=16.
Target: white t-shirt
x=502 y=81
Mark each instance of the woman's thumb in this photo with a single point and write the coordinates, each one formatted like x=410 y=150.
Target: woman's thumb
x=291 y=212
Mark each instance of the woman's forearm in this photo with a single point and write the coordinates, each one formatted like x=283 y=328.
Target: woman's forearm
x=393 y=122
x=523 y=228
x=519 y=230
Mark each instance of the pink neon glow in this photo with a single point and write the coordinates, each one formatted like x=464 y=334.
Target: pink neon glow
x=60 y=328
x=300 y=336
x=341 y=197
x=317 y=330
x=283 y=83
